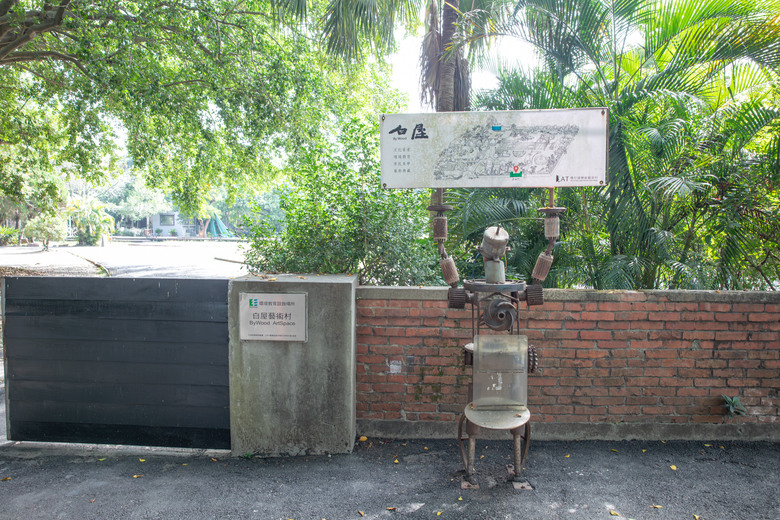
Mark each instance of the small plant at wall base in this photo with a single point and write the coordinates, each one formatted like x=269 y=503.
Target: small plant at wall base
x=158 y=232
x=173 y=232
x=734 y=406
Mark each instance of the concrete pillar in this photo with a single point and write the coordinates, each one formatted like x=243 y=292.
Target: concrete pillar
x=292 y=384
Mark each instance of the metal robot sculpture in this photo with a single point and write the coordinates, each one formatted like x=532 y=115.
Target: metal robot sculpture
x=502 y=359
x=502 y=149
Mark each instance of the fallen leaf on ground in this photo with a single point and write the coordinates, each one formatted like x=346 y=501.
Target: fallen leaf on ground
x=567 y=455
x=141 y=460
x=674 y=468
x=657 y=507
x=271 y=280
x=708 y=445
x=137 y=476
x=644 y=451
x=613 y=450
x=391 y=509
x=613 y=512
x=361 y=513
x=213 y=459
x=460 y=498
x=438 y=513
x=363 y=438
x=395 y=461
x=92 y=501
x=5 y=479
x=301 y=277
x=696 y=517
x=101 y=460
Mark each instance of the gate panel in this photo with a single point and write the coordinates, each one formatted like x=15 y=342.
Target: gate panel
x=117 y=361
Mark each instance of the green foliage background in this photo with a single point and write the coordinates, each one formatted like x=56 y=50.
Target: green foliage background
x=338 y=219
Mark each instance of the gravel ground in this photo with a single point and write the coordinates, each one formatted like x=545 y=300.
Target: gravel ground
x=395 y=479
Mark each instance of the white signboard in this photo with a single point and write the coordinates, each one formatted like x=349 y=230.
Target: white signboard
x=507 y=149
x=272 y=316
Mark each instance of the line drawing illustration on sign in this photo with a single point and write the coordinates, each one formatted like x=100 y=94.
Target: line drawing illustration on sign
x=491 y=151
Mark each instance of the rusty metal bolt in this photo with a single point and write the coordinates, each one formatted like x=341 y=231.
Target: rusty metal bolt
x=440 y=228
x=449 y=270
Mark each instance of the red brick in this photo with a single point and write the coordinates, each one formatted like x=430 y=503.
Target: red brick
x=404 y=303
x=592 y=353
x=371 y=340
x=716 y=307
x=693 y=392
x=663 y=316
x=666 y=354
x=708 y=381
x=430 y=332
x=646 y=325
x=730 y=316
x=614 y=325
x=595 y=334
x=614 y=306
x=371 y=303
x=766 y=316
x=404 y=340
x=428 y=313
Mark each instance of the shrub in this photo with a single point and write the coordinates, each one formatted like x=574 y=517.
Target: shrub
x=337 y=219
x=47 y=227
x=91 y=221
x=7 y=235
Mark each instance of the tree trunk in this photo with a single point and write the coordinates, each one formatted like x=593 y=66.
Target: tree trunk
x=445 y=100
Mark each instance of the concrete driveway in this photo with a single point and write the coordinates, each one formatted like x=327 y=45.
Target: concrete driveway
x=142 y=259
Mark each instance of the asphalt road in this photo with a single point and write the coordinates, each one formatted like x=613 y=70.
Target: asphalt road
x=395 y=479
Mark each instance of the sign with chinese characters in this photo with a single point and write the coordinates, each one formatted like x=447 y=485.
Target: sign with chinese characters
x=272 y=316
x=507 y=149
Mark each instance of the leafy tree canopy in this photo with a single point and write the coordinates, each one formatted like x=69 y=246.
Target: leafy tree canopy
x=694 y=144
x=206 y=93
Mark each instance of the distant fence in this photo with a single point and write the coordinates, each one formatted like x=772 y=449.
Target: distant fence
x=117 y=361
x=614 y=364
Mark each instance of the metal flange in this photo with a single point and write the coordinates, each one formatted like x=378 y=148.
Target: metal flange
x=480 y=285
x=457 y=298
x=534 y=295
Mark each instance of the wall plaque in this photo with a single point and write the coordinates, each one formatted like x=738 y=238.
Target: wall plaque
x=272 y=316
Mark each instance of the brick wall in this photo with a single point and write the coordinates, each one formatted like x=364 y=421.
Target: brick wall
x=614 y=364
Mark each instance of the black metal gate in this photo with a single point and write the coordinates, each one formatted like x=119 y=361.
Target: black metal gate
x=117 y=361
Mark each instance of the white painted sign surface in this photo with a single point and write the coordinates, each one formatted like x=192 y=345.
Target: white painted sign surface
x=272 y=316
x=501 y=149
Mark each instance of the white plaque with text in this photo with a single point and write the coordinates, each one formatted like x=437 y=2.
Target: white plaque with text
x=272 y=316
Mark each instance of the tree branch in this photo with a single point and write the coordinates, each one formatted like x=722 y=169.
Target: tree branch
x=46 y=21
x=19 y=57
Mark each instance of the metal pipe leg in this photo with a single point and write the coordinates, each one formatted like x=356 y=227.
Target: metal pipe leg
x=518 y=453
x=470 y=470
x=522 y=438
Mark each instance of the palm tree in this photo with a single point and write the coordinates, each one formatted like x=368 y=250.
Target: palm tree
x=691 y=130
